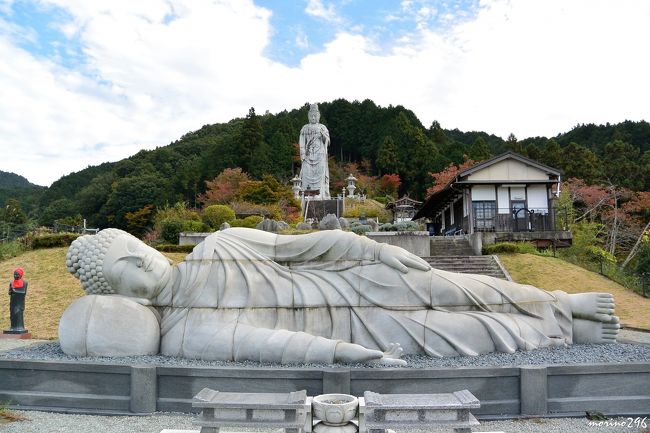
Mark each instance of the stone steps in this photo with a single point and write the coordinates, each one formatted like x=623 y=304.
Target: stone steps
x=450 y=246
x=484 y=265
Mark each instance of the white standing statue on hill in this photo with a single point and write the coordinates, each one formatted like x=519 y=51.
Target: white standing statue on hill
x=328 y=296
x=314 y=142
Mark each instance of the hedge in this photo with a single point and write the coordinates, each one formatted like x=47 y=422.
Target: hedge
x=53 y=240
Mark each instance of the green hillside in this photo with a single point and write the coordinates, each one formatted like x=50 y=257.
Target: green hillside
x=380 y=140
x=13 y=186
x=555 y=274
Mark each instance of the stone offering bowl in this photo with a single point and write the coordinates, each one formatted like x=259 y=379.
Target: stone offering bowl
x=335 y=409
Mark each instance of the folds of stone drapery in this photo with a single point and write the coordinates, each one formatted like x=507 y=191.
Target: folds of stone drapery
x=227 y=287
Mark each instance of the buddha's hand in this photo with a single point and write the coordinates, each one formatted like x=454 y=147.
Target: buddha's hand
x=400 y=259
x=349 y=353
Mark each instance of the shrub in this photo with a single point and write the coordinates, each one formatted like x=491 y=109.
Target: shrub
x=360 y=229
x=368 y=209
x=171 y=228
x=404 y=226
x=250 y=222
x=643 y=263
x=510 y=248
x=196 y=227
x=53 y=240
x=500 y=248
x=10 y=249
x=169 y=248
x=242 y=208
x=217 y=214
x=598 y=254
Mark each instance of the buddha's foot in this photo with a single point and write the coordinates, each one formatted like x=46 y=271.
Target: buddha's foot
x=591 y=331
x=598 y=307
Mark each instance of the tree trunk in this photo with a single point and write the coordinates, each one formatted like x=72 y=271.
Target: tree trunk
x=635 y=247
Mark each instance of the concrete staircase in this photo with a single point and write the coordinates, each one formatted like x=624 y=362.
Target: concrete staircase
x=484 y=265
x=455 y=254
x=450 y=246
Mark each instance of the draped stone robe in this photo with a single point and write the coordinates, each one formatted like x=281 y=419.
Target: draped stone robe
x=248 y=294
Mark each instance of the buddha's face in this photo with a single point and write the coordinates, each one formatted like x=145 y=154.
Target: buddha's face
x=314 y=117
x=134 y=269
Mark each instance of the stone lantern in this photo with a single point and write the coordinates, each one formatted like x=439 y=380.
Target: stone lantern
x=351 y=185
x=297 y=186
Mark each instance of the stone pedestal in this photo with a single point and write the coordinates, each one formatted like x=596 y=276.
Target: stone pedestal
x=379 y=412
x=288 y=411
x=316 y=208
x=350 y=427
x=16 y=335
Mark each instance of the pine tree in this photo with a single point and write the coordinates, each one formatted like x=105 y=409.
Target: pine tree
x=479 y=151
x=388 y=160
x=250 y=140
x=514 y=145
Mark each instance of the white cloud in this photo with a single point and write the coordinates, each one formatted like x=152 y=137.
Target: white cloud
x=317 y=9
x=302 y=40
x=154 y=73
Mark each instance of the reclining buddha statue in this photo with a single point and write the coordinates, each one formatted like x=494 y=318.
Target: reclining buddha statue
x=329 y=296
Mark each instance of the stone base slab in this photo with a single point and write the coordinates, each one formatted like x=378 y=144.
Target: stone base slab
x=197 y=431
x=70 y=386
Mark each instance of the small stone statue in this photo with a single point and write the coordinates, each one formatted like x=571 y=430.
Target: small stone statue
x=17 y=292
x=314 y=141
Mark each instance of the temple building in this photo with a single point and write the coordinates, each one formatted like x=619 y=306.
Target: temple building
x=509 y=197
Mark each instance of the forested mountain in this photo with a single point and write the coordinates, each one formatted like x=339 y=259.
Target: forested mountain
x=13 y=186
x=12 y=180
x=381 y=140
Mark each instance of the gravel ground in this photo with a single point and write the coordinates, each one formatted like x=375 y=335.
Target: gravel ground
x=576 y=354
x=44 y=422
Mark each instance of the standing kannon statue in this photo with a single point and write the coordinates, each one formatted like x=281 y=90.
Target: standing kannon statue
x=17 y=292
x=314 y=141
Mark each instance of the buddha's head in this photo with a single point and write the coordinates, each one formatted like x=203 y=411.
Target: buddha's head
x=115 y=262
x=314 y=114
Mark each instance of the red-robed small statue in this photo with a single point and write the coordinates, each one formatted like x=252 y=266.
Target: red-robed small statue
x=17 y=292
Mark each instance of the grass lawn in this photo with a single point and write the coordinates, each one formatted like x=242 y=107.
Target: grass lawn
x=52 y=288
x=552 y=274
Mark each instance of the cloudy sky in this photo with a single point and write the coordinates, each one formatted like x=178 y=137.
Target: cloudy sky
x=88 y=81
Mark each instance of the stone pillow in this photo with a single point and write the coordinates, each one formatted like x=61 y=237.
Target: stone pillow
x=98 y=325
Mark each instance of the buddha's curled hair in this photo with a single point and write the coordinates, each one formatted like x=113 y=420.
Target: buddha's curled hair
x=85 y=259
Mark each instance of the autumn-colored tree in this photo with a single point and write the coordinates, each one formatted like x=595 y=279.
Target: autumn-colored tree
x=225 y=187
x=139 y=221
x=589 y=200
x=442 y=178
x=389 y=185
x=639 y=206
x=622 y=213
x=265 y=191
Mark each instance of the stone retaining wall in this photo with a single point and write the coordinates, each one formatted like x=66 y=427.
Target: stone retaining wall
x=614 y=389
x=417 y=243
